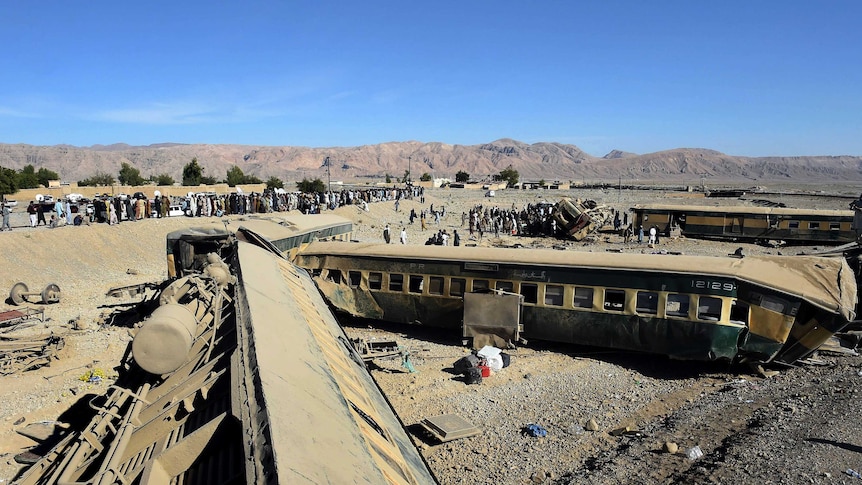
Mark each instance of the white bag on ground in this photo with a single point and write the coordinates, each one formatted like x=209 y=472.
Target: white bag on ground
x=492 y=357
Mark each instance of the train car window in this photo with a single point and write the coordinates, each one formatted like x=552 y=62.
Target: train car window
x=774 y=304
x=396 y=282
x=647 y=302
x=456 y=286
x=417 y=282
x=435 y=285
x=615 y=300
x=479 y=285
x=554 y=295
x=530 y=292
x=793 y=224
x=834 y=226
x=813 y=225
x=709 y=308
x=375 y=281
x=334 y=275
x=677 y=305
x=505 y=286
x=739 y=313
x=354 y=277
x=583 y=297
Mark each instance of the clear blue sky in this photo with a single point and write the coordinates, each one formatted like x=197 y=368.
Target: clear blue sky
x=742 y=77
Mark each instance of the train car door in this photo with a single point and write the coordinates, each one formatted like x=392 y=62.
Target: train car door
x=733 y=224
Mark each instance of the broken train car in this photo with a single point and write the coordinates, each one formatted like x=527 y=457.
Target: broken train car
x=751 y=309
x=798 y=226
x=578 y=220
x=243 y=376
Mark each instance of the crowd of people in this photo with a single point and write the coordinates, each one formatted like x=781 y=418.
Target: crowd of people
x=116 y=209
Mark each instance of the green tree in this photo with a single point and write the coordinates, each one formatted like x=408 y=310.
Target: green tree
x=207 y=180
x=192 y=173
x=44 y=176
x=462 y=176
x=164 y=179
x=8 y=181
x=388 y=179
x=100 y=178
x=27 y=178
x=406 y=177
x=234 y=176
x=426 y=177
x=315 y=185
x=274 y=183
x=129 y=175
x=509 y=175
x=542 y=183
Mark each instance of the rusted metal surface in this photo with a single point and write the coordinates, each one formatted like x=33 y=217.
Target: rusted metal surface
x=269 y=390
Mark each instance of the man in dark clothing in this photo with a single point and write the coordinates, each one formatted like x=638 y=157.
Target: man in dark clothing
x=456 y=239
x=386 y=236
x=40 y=214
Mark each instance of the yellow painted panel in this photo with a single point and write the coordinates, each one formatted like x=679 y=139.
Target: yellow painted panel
x=769 y=324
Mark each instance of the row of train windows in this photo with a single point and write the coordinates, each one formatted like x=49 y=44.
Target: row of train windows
x=646 y=302
x=833 y=226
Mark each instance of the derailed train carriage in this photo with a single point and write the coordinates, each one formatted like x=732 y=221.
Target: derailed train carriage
x=240 y=375
x=751 y=309
x=799 y=226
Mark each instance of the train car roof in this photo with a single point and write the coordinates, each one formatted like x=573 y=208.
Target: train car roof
x=826 y=282
x=312 y=423
x=740 y=209
x=275 y=227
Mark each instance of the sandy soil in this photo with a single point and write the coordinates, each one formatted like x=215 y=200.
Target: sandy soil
x=791 y=428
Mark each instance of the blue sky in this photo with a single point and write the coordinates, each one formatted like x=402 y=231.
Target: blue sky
x=742 y=77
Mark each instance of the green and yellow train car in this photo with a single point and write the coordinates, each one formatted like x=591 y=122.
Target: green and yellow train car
x=755 y=309
x=799 y=226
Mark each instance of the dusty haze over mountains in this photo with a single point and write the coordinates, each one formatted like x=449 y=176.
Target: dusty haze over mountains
x=548 y=161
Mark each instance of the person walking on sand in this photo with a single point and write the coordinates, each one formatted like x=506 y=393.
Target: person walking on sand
x=6 y=211
x=386 y=236
x=403 y=236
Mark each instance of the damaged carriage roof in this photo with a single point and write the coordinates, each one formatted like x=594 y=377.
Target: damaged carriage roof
x=825 y=282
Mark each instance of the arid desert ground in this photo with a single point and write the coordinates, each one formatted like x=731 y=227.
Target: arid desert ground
x=799 y=426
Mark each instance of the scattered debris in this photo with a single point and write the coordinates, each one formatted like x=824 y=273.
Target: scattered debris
x=18 y=354
x=535 y=430
x=19 y=293
x=448 y=427
x=11 y=318
x=592 y=425
x=670 y=447
x=694 y=453
x=579 y=219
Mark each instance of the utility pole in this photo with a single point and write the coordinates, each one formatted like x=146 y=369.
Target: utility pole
x=328 y=179
x=409 y=160
x=619 y=188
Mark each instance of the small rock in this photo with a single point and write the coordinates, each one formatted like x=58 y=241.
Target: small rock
x=670 y=447
x=592 y=425
x=131 y=271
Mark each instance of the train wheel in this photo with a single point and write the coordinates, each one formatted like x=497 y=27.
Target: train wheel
x=17 y=293
x=51 y=293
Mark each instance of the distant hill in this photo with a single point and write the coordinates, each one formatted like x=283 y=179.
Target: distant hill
x=548 y=161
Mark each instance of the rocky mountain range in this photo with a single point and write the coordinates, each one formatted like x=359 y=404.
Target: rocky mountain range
x=537 y=161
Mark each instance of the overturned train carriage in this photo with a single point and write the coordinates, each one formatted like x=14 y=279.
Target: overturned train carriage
x=241 y=375
x=754 y=309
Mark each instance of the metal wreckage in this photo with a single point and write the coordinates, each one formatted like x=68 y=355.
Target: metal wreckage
x=240 y=373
